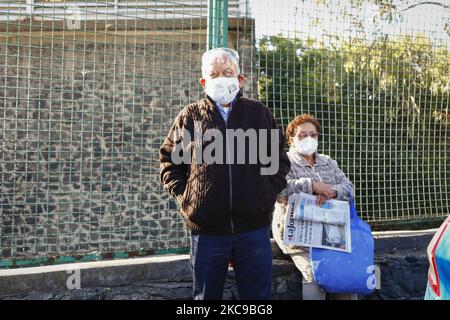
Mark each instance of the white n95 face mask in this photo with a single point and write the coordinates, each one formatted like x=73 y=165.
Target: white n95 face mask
x=222 y=90
x=306 y=146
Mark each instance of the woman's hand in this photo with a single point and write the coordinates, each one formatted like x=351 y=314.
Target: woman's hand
x=320 y=200
x=324 y=191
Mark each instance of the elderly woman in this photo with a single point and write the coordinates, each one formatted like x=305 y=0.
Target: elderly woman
x=311 y=173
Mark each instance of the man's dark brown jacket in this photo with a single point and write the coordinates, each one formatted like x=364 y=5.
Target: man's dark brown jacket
x=223 y=198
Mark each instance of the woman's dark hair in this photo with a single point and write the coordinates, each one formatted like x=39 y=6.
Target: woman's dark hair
x=298 y=121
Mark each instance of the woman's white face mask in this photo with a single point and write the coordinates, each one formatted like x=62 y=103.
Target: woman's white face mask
x=306 y=146
x=222 y=89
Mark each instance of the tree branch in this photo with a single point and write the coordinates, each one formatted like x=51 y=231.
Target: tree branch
x=425 y=3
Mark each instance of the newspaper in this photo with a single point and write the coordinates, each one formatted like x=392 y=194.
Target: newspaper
x=325 y=227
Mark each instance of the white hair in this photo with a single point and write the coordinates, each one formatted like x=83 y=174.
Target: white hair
x=212 y=55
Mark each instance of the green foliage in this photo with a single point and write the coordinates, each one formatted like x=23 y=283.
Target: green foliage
x=384 y=110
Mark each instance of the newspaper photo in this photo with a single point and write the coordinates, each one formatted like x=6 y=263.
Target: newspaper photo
x=325 y=227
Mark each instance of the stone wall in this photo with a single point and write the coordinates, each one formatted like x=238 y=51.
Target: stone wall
x=402 y=261
x=152 y=280
x=80 y=127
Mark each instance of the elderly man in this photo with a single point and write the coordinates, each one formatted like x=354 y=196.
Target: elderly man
x=226 y=203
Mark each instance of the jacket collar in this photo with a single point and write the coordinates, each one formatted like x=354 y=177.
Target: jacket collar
x=212 y=104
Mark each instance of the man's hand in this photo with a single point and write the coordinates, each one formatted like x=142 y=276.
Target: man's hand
x=282 y=199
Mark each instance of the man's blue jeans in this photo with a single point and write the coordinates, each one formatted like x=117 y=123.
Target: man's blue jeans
x=251 y=253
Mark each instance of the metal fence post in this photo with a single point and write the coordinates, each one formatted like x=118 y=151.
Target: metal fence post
x=217 y=24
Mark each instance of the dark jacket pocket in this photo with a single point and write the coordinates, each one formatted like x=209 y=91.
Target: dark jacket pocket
x=254 y=193
x=185 y=201
x=204 y=201
x=269 y=195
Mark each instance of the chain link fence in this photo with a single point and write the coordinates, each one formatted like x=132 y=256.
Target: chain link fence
x=88 y=90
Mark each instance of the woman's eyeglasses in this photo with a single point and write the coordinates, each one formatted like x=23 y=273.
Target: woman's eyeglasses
x=303 y=135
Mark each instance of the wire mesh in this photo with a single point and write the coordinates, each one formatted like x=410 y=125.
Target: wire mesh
x=377 y=76
x=88 y=90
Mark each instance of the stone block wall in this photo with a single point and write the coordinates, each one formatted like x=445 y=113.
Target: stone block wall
x=81 y=123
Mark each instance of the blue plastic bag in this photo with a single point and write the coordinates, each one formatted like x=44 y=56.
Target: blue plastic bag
x=342 y=272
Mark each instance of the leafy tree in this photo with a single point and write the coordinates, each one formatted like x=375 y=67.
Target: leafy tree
x=384 y=112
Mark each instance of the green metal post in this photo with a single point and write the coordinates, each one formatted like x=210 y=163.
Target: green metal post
x=217 y=24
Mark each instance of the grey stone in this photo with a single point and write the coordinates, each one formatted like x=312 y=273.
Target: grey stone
x=282 y=287
x=39 y=296
x=86 y=294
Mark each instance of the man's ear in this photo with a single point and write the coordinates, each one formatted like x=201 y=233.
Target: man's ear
x=241 y=79
x=202 y=82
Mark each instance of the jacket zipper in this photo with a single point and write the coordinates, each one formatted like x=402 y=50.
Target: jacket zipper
x=229 y=172
x=230 y=178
